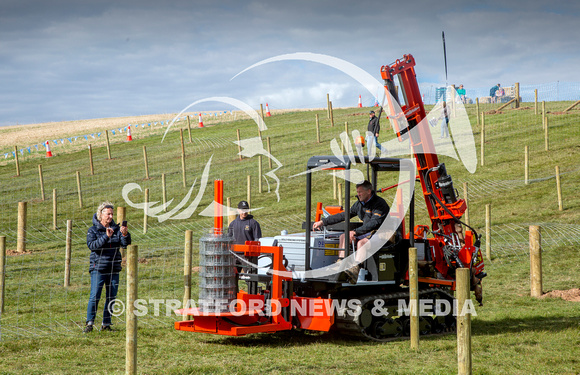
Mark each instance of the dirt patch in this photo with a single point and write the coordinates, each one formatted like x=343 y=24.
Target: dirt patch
x=195 y=269
x=493 y=112
x=572 y=295
x=139 y=260
x=13 y=253
x=561 y=113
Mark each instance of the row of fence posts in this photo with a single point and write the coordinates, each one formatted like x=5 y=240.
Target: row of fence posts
x=463 y=322
x=462 y=294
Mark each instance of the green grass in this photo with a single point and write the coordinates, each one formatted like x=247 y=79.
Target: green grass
x=512 y=333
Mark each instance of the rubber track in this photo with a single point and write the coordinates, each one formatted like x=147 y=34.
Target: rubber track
x=349 y=323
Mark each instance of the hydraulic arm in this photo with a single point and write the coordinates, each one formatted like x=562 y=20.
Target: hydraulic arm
x=444 y=207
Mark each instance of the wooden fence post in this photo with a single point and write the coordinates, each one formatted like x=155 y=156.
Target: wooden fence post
x=331 y=115
x=269 y=152
x=79 y=189
x=535 y=101
x=262 y=110
x=260 y=174
x=463 y=322
x=189 y=129
x=108 y=145
x=526 y=165
x=572 y=106
x=482 y=138
x=317 y=129
x=41 y=178
x=546 y=142
x=543 y=109
x=121 y=214
x=164 y=191
x=131 y=318
x=54 y=210
x=535 y=261
x=414 y=298
x=328 y=105
x=334 y=185
x=146 y=162
x=517 y=94
x=187 y=270
x=466 y=198
x=249 y=197
x=91 y=165
x=2 y=271
x=477 y=110
x=239 y=144
x=146 y=211
x=559 y=189
x=488 y=231
x=16 y=160
x=68 y=253
x=21 y=231
x=183 y=159
x=339 y=189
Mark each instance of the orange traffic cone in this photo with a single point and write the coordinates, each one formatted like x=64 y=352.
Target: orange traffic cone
x=359 y=101
x=129 y=137
x=48 y=152
x=268 y=114
x=200 y=121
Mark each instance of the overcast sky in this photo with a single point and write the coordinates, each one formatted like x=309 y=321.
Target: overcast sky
x=70 y=60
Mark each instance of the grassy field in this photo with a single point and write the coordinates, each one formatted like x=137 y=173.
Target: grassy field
x=512 y=333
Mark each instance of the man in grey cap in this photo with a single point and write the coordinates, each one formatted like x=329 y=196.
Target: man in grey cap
x=373 y=130
x=244 y=227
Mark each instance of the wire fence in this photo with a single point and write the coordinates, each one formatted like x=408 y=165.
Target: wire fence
x=549 y=92
x=37 y=303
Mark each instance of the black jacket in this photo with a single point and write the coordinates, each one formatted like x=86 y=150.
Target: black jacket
x=244 y=230
x=105 y=251
x=373 y=213
x=374 y=126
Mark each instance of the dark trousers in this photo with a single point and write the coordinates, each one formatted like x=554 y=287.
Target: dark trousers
x=111 y=283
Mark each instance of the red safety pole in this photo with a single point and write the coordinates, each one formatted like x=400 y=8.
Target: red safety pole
x=218 y=197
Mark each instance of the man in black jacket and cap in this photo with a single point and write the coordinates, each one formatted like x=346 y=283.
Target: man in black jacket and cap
x=244 y=227
x=371 y=209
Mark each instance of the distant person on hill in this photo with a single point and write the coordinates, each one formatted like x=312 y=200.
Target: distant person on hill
x=105 y=239
x=461 y=93
x=493 y=92
x=499 y=94
x=373 y=130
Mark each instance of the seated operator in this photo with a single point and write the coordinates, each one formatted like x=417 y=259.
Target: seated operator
x=372 y=210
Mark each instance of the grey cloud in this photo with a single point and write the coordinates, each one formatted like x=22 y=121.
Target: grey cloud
x=100 y=59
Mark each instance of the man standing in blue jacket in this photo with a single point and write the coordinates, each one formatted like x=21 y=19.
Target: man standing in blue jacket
x=104 y=239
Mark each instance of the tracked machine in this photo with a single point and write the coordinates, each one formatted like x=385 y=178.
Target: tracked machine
x=293 y=281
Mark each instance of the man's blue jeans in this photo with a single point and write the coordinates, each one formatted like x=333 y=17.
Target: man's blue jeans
x=373 y=141
x=111 y=283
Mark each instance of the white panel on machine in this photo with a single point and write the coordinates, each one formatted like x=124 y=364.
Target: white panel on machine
x=294 y=250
